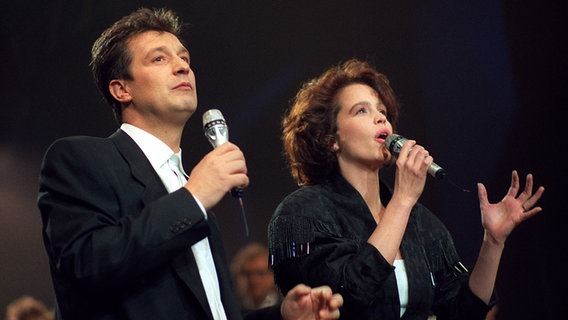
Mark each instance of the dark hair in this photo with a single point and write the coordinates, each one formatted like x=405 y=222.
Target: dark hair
x=309 y=129
x=110 y=57
x=250 y=252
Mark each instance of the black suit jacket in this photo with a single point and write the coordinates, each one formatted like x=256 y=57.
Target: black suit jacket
x=118 y=243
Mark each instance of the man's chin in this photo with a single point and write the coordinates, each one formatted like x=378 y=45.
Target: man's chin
x=189 y=109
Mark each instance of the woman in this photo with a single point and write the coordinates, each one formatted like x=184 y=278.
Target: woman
x=388 y=255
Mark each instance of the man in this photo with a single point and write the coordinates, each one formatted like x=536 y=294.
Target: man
x=128 y=237
x=252 y=277
x=28 y=308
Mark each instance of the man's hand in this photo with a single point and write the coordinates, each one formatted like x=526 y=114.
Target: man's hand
x=305 y=303
x=217 y=173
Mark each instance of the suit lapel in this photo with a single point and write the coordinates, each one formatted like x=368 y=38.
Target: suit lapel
x=140 y=167
x=184 y=264
x=186 y=268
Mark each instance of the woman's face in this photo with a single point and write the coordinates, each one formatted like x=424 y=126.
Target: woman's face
x=362 y=128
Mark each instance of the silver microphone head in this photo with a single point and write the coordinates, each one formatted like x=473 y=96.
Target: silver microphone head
x=394 y=143
x=215 y=128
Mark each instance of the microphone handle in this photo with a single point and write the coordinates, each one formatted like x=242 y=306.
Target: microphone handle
x=436 y=171
x=394 y=143
x=237 y=192
x=217 y=134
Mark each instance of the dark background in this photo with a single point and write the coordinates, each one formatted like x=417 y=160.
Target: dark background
x=482 y=85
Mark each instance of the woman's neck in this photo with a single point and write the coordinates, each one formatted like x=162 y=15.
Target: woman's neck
x=366 y=182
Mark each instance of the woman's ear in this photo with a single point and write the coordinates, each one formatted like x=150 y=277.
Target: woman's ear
x=335 y=147
x=119 y=91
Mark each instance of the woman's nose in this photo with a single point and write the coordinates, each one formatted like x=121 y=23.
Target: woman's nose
x=380 y=118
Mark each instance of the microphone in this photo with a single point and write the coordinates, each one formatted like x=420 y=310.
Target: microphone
x=215 y=127
x=394 y=143
x=217 y=132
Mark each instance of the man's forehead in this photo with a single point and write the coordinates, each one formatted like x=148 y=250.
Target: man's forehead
x=155 y=40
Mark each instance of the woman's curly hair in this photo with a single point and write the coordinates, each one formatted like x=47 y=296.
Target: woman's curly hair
x=309 y=129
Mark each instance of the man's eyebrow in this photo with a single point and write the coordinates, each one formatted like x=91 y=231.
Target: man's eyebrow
x=165 y=49
x=183 y=50
x=154 y=50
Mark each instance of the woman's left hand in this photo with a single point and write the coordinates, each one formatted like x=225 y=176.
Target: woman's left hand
x=499 y=219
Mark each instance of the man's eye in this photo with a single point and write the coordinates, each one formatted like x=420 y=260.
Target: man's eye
x=159 y=59
x=362 y=110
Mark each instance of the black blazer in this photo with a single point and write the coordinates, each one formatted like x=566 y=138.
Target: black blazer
x=118 y=243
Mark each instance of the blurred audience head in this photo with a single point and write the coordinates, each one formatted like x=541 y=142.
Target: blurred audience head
x=28 y=308
x=253 y=280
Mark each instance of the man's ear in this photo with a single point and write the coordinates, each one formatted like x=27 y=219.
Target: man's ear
x=119 y=91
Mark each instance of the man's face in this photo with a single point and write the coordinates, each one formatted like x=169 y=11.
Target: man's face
x=259 y=279
x=163 y=86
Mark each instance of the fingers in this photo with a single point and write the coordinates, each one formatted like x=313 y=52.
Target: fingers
x=538 y=194
x=333 y=311
x=336 y=301
x=414 y=157
x=482 y=195
x=528 y=205
x=525 y=196
x=330 y=302
x=529 y=184
x=404 y=153
x=320 y=298
x=515 y=184
x=327 y=314
x=531 y=212
x=221 y=170
x=303 y=302
x=325 y=293
x=528 y=199
x=322 y=290
x=230 y=162
x=411 y=172
x=300 y=290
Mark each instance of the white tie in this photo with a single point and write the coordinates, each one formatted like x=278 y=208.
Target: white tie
x=175 y=165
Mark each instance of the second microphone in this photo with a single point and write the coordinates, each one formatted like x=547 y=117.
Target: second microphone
x=394 y=143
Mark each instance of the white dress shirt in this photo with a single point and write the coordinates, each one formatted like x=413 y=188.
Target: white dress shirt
x=402 y=283
x=169 y=168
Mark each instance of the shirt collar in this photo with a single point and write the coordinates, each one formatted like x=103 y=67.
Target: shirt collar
x=155 y=149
